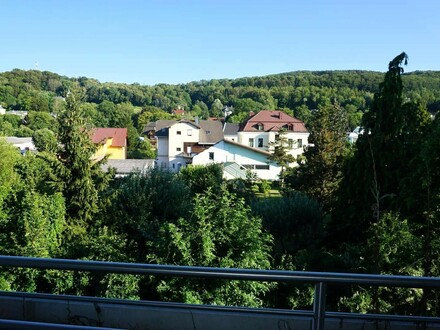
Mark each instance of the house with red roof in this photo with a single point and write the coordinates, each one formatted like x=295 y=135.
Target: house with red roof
x=110 y=141
x=178 y=112
x=261 y=129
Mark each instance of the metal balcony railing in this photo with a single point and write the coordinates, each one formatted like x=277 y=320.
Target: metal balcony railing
x=319 y=279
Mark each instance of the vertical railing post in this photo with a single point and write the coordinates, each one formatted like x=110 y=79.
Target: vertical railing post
x=319 y=306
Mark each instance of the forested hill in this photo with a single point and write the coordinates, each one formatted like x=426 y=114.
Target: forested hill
x=297 y=92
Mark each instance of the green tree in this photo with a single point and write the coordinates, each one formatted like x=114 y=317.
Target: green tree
x=320 y=173
x=373 y=176
x=78 y=177
x=216 y=108
x=200 y=178
x=9 y=157
x=45 y=140
x=37 y=120
x=280 y=152
x=220 y=232
x=143 y=201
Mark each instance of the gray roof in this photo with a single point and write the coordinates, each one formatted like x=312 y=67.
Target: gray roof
x=231 y=129
x=126 y=166
x=162 y=123
x=158 y=125
x=211 y=132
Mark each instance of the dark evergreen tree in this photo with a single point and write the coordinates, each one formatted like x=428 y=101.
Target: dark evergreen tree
x=76 y=174
x=372 y=177
x=320 y=173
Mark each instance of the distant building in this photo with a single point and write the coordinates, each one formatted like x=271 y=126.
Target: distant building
x=353 y=136
x=179 y=141
x=230 y=131
x=239 y=147
x=2 y=110
x=124 y=167
x=22 y=143
x=110 y=141
x=178 y=112
x=237 y=159
x=260 y=129
x=19 y=113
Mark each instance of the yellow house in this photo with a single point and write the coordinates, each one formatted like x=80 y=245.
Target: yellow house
x=110 y=141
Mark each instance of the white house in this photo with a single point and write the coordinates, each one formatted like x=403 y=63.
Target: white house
x=259 y=130
x=178 y=142
x=237 y=158
x=239 y=147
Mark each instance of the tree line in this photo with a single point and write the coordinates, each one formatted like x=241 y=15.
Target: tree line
x=298 y=93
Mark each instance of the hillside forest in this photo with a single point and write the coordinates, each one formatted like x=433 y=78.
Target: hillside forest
x=368 y=207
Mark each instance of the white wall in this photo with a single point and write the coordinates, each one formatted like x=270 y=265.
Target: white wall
x=226 y=152
x=162 y=151
x=243 y=138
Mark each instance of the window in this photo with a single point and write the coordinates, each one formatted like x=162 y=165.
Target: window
x=190 y=132
x=261 y=167
x=260 y=142
x=211 y=156
x=290 y=127
x=178 y=149
x=300 y=143
x=260 y=126
x=251 y=143
x=179 y=132
x=208 y=132
x=290 y=143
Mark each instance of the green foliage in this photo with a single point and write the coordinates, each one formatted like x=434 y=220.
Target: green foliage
x=202 y=177
x=9 y=157
x=142 y=149
x=142 y=202
x=321 y=171
x=294 y=220
x=6 y=127
x=39 y=120
x=45 y=140
x=373 y=176
x=78 y=177
x=280 y=149
x=35 y=225
x=23 y=131
x=220 y=232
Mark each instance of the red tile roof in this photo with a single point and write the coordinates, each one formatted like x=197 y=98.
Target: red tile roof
x=119 y=136
x=272 y=120
x=178 y=112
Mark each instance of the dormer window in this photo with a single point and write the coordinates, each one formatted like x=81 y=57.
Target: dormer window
x=260 y=126
x=290 y=127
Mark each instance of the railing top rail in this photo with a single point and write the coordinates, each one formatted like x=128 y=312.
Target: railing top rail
x=221 y=273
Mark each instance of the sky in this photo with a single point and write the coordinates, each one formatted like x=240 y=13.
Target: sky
x=179 y=41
